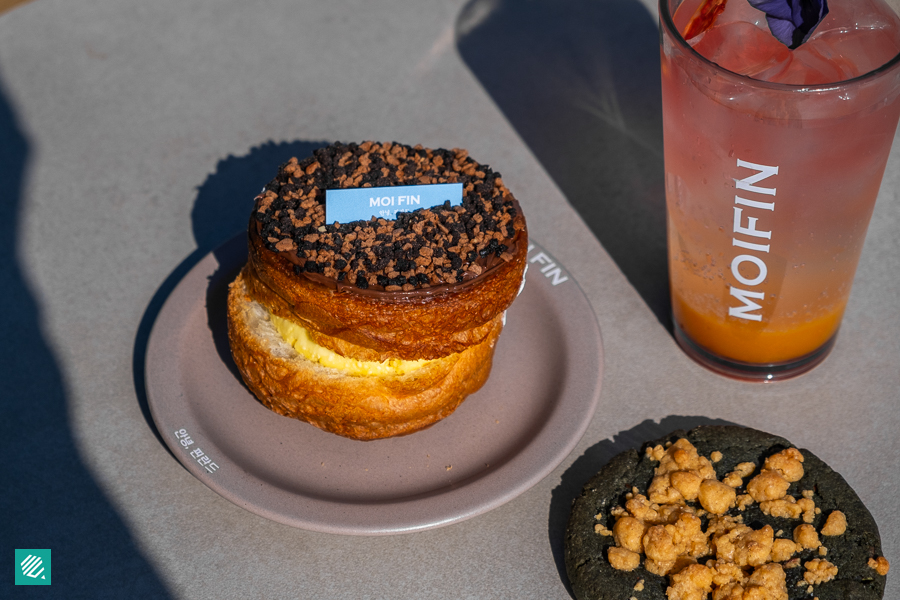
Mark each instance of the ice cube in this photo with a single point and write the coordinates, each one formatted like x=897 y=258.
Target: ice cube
x=859 y=36
x=858 y=14
x=740 y=10
x=858 y=51
x=744 y=48
x=810 y=67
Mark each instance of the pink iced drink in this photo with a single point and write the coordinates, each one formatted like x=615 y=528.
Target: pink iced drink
x=770 y=188
x=854 y=38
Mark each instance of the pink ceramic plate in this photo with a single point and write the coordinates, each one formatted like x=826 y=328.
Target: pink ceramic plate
x=504 y=439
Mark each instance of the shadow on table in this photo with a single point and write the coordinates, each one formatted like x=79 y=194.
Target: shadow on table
x=579 y=81
x=221 y=211
x=593 y=459
x=50 y=499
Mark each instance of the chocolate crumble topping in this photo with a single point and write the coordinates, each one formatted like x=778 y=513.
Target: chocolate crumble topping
x=420 y=249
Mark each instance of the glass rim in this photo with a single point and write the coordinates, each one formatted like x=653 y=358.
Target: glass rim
x=668 y=23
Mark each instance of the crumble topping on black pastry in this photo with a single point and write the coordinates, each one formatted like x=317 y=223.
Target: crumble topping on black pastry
x=422 y=249
x=746 y=514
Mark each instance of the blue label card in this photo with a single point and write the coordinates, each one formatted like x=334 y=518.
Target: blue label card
x=361 y=204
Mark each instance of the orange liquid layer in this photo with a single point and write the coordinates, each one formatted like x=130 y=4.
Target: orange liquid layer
x=753 y=342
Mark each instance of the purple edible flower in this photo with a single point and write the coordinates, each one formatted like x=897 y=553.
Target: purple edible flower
x=792 y=21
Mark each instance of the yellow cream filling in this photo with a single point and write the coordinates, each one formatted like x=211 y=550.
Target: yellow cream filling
x=299 y=338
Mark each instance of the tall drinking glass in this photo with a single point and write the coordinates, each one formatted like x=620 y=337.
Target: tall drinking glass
x=769 y=192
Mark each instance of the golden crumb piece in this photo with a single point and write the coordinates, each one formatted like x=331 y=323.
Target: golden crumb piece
x=733 y=480
x=659 y=544
x=808 y=494
x=743 y=501
x=787 y=463
x=672 y=512
x=716 y=497
x=819 y=571
x=716 y=456
x=641 y=508
x=823 y=551
x=726 y=573
x=687 y=483
x=809 y=509
x=768 y=485
x=783 y=550
x=639 y=586
x=622 y=559
x=681 y=563
x=744 y=546
x=602 y=530
x=655 y=453
x=730 y=591
x=835 y=524
x=880 y=564
x=661 y=568
x=689 y=537
x=744 y=469
x=720 y=525
x=736 y=477
x=683 y=456
x=661 y=490
x=784 y=508
x=767 y=581
x=691 y=583
x=805 y=535
x=628 y=532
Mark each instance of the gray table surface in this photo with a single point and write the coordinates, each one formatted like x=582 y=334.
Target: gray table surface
x=132 y=133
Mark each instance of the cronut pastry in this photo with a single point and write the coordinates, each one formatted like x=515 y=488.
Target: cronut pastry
x=722 y=513
x=375 y=328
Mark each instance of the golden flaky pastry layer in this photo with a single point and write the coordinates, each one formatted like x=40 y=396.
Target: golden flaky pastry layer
x=362 y=408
